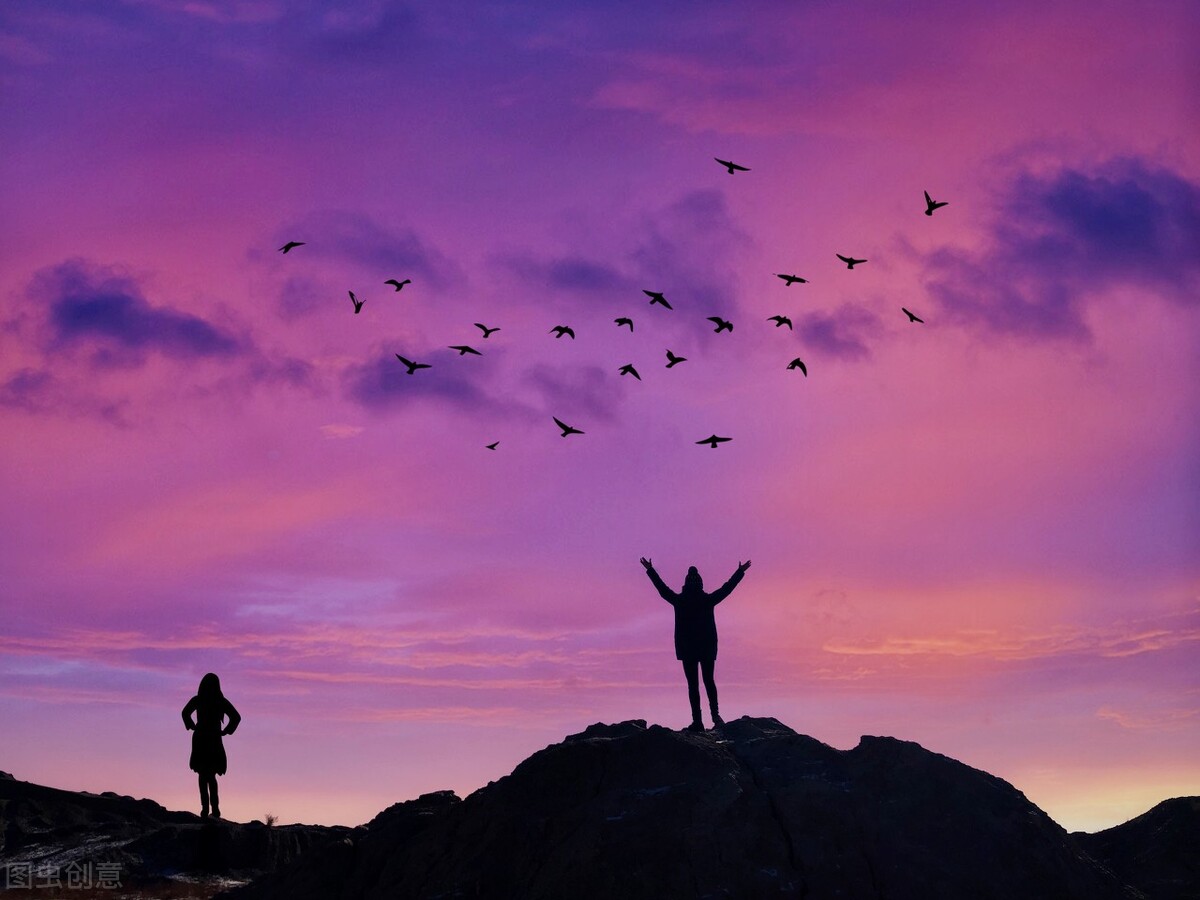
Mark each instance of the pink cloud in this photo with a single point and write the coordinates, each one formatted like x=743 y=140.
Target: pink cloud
x=988 y=644
x=1155 y=721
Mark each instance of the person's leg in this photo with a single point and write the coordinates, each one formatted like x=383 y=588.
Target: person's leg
x=693 y=683
x=710 y=686
x=203 y=779
x=212 y=793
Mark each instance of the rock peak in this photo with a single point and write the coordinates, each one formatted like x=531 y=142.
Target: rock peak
x=753 y=810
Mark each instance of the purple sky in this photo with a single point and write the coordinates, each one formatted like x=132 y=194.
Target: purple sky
x=981 y=532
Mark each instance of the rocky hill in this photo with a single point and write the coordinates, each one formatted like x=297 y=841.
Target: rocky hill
x=1159 y=851
x=630 y=811
x=140 y=843
x=757 y=811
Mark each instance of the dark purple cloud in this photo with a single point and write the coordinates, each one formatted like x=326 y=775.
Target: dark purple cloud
x=38 y=391
x=300 y=296
x=683 y=249
x=1061 y=237
x=685 y=252
x=384 y=384
x=1127 y=220
x=842 y=333
x=389 y=252
x=27 y=389
x=587 y=390
x=288 y=371
x=340 y=35
x=571 y=273
x=96 y=307
x=103 y=314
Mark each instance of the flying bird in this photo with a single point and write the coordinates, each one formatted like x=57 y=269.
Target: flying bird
x=931 y=204
x=398 y=284
x=492 y=446
x=798 y=363
x=780 y=320
x=713 y=440
x=672 y=359
x=722 y=324
x=463 y=349
x=789 y=280
x=412 y=366
x=566 y=429
x=624 y=320
x=850 y=261
x=559 y=330
x=731 y=167
x=486 y=331
x=628 y=369
x=657 y=297
x=291 y=245
x=358 y=304
x=911 y=317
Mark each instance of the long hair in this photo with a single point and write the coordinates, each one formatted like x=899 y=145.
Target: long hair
x=210 y=688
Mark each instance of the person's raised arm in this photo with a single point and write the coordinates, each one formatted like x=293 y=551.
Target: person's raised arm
x=234 y=718
x=187 y=714
x=665 y=592
x=727 y=588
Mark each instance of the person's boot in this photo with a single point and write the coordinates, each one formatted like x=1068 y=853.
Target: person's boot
x=716 y=714
x=696 y=725
x=216 y=805
x=204 y=811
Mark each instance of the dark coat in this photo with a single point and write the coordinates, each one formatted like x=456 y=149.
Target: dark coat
x=208 y=752
x=695 y=625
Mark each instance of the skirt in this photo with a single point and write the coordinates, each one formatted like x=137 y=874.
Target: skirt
x=208 y=753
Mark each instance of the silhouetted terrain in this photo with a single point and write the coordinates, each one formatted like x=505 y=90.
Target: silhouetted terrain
x=1159 y=851
x=51 y=829
x=629 y=811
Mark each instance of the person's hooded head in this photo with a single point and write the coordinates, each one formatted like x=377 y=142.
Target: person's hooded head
x=692 y=582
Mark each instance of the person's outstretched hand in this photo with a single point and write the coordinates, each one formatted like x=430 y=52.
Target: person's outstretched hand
x=647 y=564
x=743 y=566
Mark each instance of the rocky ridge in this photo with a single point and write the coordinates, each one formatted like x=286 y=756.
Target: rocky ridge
x=47 y=829
x=753 y=811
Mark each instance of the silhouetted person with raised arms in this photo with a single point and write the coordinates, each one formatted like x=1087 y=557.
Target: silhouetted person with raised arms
x=208 y=752
x=696 y=633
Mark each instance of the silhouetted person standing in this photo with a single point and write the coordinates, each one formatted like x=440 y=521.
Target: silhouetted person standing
x=696 y=633
x=208 y=752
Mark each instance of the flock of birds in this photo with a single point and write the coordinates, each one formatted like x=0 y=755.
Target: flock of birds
x=657 y=298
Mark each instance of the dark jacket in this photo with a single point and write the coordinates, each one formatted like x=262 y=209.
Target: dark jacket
x=695 y=626
x=208 y=751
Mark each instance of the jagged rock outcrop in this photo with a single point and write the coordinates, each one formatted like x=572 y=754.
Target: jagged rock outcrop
x=51 y=828
x=1158 y=852
x=760 y=811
